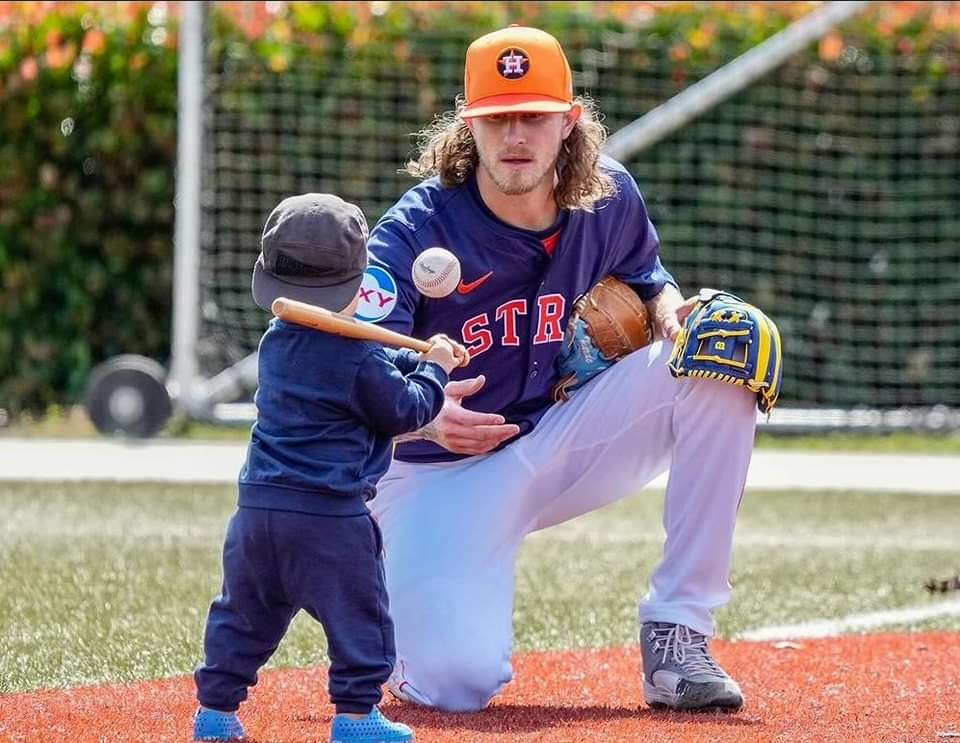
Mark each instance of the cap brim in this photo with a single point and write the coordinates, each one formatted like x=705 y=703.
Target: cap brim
x=335 y=297
x=515 y=103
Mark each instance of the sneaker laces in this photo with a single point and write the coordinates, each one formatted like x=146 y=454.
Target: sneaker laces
x=687 y=648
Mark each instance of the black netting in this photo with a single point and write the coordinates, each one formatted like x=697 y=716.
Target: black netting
x=828 y=194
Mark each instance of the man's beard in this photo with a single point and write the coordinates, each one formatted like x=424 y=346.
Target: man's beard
x=516 y=182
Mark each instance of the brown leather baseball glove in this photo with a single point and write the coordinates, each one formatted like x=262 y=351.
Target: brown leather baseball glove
x=607 y=323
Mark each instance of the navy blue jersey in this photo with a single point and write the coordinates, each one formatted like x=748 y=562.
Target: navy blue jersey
x=517 y=286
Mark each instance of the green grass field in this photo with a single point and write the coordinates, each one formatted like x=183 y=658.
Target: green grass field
x=111 y=582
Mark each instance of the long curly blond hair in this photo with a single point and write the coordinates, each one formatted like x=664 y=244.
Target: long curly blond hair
x=447 y=149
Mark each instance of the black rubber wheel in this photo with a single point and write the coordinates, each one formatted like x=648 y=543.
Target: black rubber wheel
x=128 y=395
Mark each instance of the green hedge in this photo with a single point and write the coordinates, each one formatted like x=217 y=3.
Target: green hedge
x=88 y=135
x=87 y=157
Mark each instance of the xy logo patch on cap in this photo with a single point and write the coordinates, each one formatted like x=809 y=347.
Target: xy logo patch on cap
x=513 y=63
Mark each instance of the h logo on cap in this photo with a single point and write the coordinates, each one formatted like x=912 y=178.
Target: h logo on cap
x=513 y=63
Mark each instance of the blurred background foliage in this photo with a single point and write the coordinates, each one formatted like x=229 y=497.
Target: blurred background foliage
x=88 y=130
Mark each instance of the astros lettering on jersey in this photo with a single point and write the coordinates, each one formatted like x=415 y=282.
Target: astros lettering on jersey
x=517 y=287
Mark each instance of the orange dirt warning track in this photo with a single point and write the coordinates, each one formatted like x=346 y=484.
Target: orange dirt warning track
x=895 y=687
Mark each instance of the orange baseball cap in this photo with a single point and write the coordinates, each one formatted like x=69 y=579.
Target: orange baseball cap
x=516 y=70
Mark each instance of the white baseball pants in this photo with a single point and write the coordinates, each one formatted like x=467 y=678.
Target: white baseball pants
x=451 y=530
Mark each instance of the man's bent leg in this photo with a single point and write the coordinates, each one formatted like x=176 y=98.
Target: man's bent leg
x=617 y=434
x=714 y=427
x=714 y=424
x=451 y=533
x=628 y=426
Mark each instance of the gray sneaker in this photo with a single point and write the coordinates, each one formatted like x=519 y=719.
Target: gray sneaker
x=680 y=673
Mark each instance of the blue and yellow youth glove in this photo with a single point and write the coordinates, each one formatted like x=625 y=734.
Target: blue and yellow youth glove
x=727 y=339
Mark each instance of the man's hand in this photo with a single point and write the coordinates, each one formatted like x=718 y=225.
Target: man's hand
x=465 y=431
x=669 y=311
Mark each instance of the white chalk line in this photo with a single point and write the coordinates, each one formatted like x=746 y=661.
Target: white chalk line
x=853 y=622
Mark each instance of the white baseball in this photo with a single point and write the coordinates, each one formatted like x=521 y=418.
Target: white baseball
x=436 y=272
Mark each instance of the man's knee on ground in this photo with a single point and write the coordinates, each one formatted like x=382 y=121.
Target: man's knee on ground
x=460 y=681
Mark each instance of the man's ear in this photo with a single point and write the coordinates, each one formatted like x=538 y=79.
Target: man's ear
x=570 y=119
x=469 y=123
